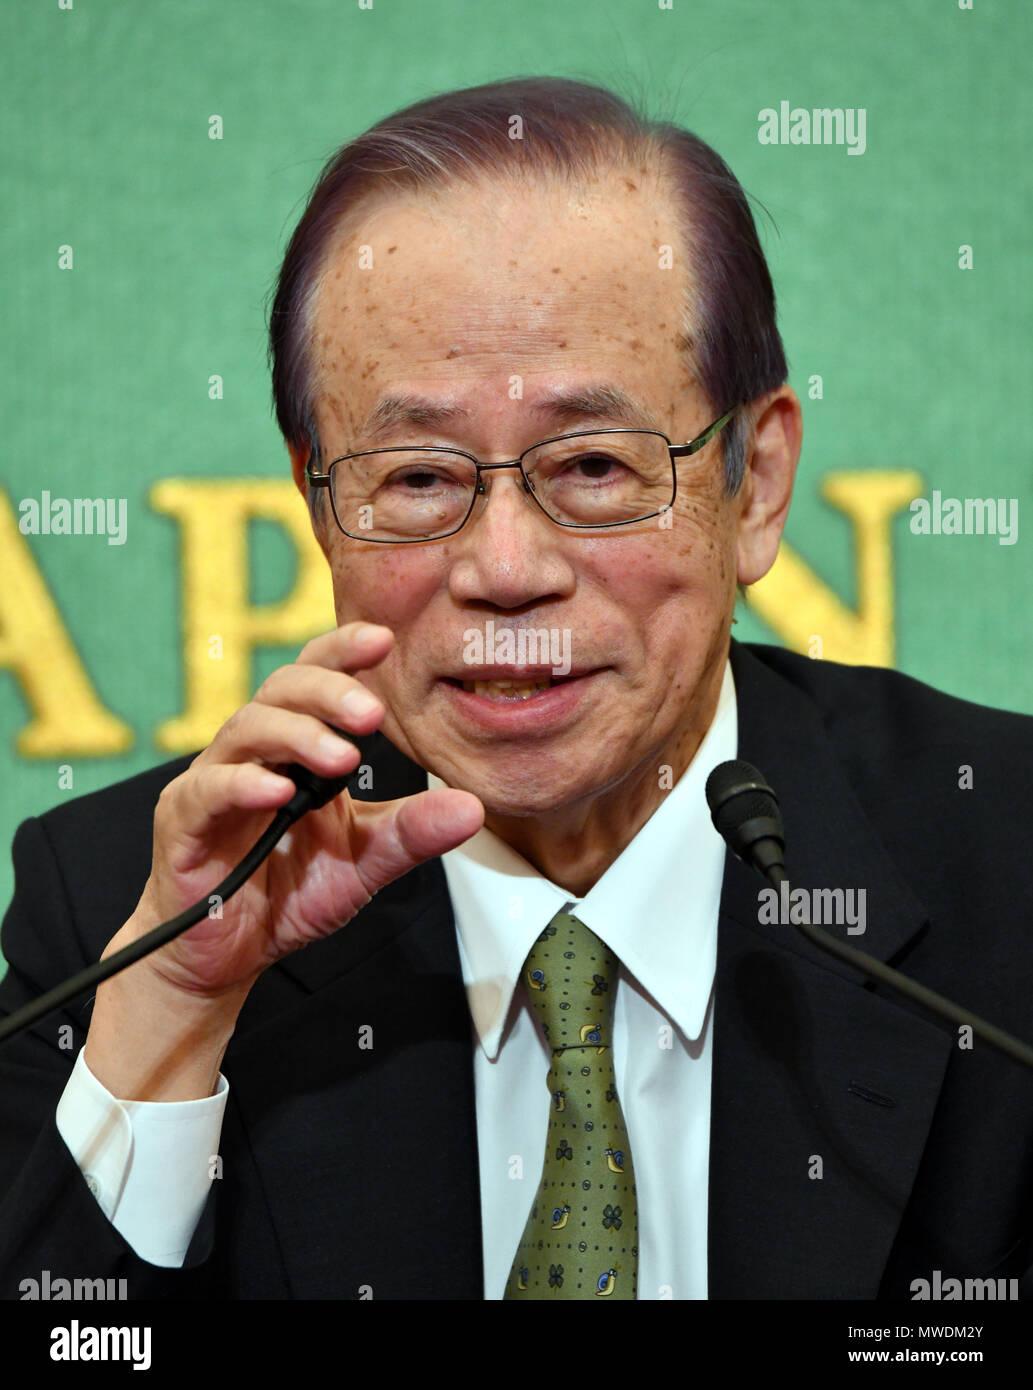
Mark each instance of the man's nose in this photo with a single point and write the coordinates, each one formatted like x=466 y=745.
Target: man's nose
x=509 y=553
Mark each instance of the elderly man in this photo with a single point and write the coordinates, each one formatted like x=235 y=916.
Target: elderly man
x=527 y=368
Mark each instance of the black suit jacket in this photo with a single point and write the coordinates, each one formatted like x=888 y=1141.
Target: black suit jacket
x=350 y=1169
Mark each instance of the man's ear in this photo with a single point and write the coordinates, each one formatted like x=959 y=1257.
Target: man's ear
x=300 y=455
x=767 y=487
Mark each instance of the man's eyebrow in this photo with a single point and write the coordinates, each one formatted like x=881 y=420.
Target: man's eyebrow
x=598 y=402
x=392 y=411
x=601 y=401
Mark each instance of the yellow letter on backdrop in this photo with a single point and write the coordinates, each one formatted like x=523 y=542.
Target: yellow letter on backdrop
x=67 y=714
x=213 y=518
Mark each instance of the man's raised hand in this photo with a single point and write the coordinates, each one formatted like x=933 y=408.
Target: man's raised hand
x=326 y=867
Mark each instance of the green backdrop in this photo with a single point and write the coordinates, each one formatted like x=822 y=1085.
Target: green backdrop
x=176 y=238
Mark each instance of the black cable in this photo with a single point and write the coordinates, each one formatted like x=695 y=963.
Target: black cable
x=95 y=974
x=921 y=994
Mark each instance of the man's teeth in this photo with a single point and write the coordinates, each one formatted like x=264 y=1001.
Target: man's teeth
x=507 y=690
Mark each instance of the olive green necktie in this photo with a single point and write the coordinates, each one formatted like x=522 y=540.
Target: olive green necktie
x=581 y=1238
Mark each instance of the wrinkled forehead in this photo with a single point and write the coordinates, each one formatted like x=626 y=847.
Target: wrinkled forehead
x=632 y=197
x=501 y=278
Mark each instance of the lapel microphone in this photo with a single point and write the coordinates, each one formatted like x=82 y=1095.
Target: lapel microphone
x=312 y=791
x=746 y=815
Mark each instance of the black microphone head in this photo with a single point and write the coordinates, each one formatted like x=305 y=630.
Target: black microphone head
x=745 y=810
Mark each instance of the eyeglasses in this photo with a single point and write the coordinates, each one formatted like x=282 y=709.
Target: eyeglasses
x=586 y=480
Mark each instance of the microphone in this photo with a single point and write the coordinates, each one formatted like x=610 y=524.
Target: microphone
x=312 y=791
x=746 y=815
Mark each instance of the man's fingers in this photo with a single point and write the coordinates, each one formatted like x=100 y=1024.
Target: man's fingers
x=352 y=647
x=210 y=792
x=264 y=734
x=334 y=696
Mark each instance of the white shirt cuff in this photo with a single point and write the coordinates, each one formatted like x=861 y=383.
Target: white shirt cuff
x=148 y=1163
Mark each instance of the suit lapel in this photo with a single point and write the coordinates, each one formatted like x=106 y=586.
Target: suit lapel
x=823 y=1091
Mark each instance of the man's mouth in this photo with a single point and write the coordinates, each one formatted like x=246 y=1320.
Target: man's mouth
x=504 y=688
x=507 y=690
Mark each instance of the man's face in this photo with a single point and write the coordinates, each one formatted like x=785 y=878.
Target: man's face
x=491 y=300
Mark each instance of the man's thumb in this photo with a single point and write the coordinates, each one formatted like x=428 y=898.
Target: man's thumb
x=401 y=834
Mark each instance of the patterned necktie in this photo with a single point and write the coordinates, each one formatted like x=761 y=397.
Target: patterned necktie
x=581 y=1238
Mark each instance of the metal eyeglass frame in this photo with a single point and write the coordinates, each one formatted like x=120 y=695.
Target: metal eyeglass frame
x=676 y=451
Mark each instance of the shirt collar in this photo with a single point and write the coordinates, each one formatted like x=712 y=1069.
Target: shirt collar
x=656 y=905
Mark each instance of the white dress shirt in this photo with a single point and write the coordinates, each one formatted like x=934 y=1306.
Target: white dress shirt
x=655 y=907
